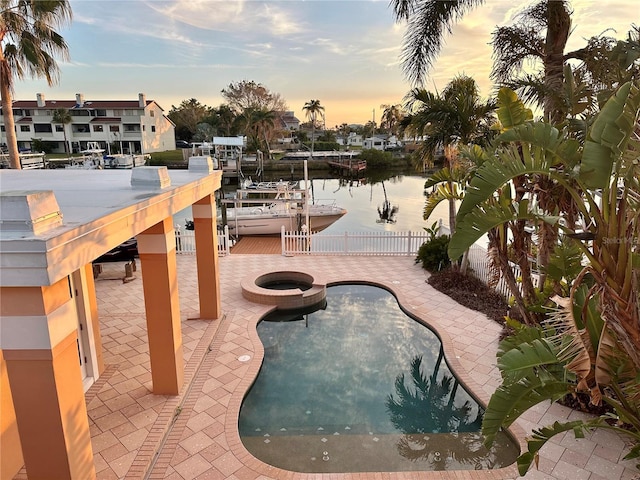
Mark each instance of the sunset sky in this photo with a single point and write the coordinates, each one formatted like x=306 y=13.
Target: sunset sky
x=343 y=53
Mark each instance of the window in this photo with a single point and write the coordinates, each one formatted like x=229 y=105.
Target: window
x=2 y=128
x=153 y=128
x=59 y=128
x=97 y=128
x=42 y=128
x=79 y=113
x=152 y=113
x=114 y=128
x=131 y=127
x=101 y=113
x=80 y=128
x=25 y=128
x=117 y=112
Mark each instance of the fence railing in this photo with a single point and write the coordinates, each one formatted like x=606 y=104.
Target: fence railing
x=186 y=241
x=349 y=243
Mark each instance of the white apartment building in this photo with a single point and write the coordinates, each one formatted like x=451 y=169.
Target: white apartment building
x=127 y=126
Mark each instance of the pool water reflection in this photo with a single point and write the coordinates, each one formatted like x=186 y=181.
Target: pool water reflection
x=361 y=386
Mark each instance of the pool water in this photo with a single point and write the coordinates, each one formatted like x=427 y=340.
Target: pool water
x=361 y=386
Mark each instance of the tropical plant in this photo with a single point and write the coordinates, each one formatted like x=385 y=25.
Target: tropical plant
x=433 y=255
x=226 y=116
x=591 y=342
x=258 y=125
x=454 y=119
x=392 y=116
x=63 y=116
x=457 y=116
x=312 y=109
x=602 y=66
x=29 y=43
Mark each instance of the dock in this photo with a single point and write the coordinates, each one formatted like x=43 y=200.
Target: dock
x=258 y=245
x=349 y=165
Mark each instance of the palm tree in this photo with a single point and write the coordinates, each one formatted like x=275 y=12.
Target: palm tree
x=457 y=117
x=312 y=108
x=429 y=20
x=226 y=116
x=258 y=124
x=63 y=116
x=29 y=42
x=392 y=115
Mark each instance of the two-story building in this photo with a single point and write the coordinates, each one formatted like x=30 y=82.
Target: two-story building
x=125 y=126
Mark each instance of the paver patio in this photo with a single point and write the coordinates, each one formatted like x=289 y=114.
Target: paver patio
x=138 y=435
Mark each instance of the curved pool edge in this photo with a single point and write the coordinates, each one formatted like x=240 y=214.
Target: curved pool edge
x=231 y=427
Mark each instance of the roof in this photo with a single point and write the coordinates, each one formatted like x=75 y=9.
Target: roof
x=88 y=104
x=229 y=141
x=99 y=209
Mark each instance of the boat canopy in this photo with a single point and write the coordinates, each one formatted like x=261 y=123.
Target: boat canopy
x=229 y=141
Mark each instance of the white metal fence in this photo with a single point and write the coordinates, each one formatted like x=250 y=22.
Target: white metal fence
x=186 y=241
x=349 y=243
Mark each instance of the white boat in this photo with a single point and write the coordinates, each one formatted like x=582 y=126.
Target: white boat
x=124 y=160
x=249 y=184
x=92 y=158
x=289 y=210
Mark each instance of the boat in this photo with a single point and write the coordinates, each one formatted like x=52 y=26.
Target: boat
x=249 y=184
x=92 y=158
x=124 y=160
x=289 y=209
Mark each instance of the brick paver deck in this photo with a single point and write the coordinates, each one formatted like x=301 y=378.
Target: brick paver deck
x=138 y=435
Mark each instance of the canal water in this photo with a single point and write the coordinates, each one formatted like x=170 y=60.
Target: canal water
x=394 y=204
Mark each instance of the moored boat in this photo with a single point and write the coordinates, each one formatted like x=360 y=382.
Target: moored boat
x=124 y=160
x=92 y=158
x=269 y=219
x=267 y=216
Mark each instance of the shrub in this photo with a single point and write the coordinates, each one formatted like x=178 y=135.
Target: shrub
x=376 y=158
x=433 y=254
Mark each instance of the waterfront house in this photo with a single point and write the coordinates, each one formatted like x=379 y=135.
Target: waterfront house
x=128 y=126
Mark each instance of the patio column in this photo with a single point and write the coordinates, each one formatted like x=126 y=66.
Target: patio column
x=157 y=251
x=40 y=349
x=206 y=235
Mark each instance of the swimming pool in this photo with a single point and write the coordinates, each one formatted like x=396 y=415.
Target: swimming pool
x=361 y=386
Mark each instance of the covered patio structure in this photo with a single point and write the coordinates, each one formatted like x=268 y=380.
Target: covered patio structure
x=54 y=224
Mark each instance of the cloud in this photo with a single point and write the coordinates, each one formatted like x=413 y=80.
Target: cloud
x=239 y=16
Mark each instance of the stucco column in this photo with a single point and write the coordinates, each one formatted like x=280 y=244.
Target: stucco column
x=39 y=343
x=157 y=251
x=204 y=220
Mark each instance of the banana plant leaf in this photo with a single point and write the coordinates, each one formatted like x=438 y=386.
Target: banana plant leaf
x=511 y=110
x=511 y=400
x=542 y=436
x=609 y=136
x=526 y=359
x=444 y=192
